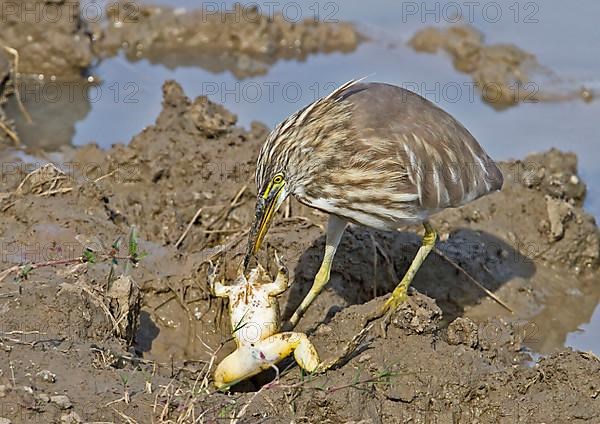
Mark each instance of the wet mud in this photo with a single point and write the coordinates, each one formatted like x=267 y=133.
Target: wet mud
x=504 y=74
x=100 y=323
x=50 y=37
x=59 y=40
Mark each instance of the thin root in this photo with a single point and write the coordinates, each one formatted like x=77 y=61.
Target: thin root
x=473 y=280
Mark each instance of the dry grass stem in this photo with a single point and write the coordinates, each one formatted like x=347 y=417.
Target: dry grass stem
x=15 y=54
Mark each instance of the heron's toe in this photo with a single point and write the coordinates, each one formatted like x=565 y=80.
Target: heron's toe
x=398 y=297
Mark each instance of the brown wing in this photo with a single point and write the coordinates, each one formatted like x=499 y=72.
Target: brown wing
x=443 y=162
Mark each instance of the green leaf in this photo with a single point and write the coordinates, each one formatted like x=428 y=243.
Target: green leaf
x=133 y=245
x=24 y=272
x=89 y=256
x=117 y=243
x=239 y=325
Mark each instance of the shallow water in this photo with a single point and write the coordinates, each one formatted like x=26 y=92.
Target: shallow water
x=563 y=36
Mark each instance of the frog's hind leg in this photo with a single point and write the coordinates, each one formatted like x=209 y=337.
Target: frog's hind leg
x=239 y=365
x=279 y=346
x=247 y=361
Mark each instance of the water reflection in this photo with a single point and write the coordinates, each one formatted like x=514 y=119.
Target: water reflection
x=55 y=109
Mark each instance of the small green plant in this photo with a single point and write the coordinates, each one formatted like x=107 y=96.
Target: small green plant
x=89 y=255
x=24 y=272
x=124 y=380
x=225 y=411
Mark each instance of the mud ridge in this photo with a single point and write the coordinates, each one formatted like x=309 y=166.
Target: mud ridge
x=504 y=74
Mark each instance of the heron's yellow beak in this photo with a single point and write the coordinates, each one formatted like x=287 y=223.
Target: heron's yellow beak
x=266 y=205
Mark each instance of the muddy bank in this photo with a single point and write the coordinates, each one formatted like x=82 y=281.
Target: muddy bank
x=58 y=44
x=50 y=37
x=452 y=353
x=420 y=374
x=240 y=39
x=60 y=40
x=49 y=51
x=504 y=74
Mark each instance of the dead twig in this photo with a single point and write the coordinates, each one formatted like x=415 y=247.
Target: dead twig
x=5 y=337
x=227 y=209
x=220 y=216
x=211 y=253
x=12 y=373
x=127 y=418
x=188 y=228
x=26 y=268
x=15 y=54
x=244 y=408
x=233 y=230
x=11 y=134
x=43 y=181
x=109 y=174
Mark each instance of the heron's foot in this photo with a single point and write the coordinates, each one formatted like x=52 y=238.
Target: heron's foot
x=389 y=308
x=398 y=297
x=400 y=293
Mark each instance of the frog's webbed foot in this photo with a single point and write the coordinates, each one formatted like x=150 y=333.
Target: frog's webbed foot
x=279 y=346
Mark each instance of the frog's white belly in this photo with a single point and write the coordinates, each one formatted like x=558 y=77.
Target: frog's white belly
x=255 y=321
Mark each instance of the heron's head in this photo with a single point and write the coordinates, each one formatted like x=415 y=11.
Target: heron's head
x=269 y=199
x=278 y=173
x=293 y=158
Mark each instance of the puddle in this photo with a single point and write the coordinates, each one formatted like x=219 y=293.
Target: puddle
x=127 y=97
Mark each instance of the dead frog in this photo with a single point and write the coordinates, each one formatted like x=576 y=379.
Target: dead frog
x=255 y=325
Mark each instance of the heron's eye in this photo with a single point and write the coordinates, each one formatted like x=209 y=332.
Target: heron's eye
x=278 y=179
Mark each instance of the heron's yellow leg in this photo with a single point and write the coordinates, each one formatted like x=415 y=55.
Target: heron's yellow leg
x=400 y=293
x=335 y=229
x=320 y=281
x=247 y=361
